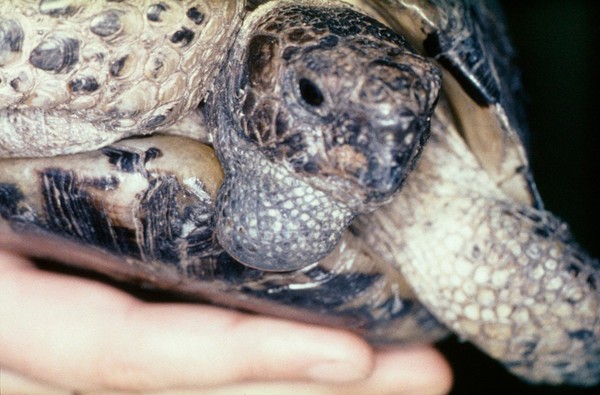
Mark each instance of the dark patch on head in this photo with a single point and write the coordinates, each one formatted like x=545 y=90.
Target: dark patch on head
x=84 y=84
x=400 y=82
x=124 y=160
x=183 y=36
x=341 y=22
x=380 y=178
x=195 y=15
x=281 y=124
x=262 y=50
x=328 y=42
x=117 y=66
x=290 y=52
x=11 y=38
x=465 y=63
x=55 y=54
x=10 y=197
x=299 y=35
x=591 y=281
x=106 y=24
x=155 y=10
x=276 y=26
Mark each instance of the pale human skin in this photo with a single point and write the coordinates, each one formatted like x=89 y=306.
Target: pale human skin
x=77 y=334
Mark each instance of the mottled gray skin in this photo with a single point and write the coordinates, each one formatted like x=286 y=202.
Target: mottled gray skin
x=324 y=118
x=310 y=134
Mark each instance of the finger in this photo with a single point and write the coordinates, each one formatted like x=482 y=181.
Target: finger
x=85 y=334
x=14 y=383
x=414 y=370
x=419 y=370
x=409 y=370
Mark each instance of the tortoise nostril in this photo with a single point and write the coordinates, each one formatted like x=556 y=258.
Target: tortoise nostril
x=310 y=92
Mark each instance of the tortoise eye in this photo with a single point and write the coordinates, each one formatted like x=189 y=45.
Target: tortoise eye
x=310 y=92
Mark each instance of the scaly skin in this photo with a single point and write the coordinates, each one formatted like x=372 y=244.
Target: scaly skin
x=501 y=274
x=104 y=70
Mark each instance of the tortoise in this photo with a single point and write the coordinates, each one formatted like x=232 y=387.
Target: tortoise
x=369 y=167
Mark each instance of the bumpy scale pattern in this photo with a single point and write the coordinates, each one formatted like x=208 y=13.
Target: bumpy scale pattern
x=113 y=66
x=506 y=276
x=274 y=221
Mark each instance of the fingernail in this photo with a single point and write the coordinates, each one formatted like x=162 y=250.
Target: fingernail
x=337 y=371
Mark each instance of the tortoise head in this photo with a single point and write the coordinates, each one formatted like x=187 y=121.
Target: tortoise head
x=324 y=119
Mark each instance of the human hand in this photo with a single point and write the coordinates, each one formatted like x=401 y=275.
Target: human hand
x=80 y=334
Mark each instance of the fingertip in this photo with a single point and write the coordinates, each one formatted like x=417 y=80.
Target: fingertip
x=346 y=358
x=302 y=351
x=421 y=369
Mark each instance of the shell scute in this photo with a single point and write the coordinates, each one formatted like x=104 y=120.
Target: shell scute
x=56 y=54
x=122 y=45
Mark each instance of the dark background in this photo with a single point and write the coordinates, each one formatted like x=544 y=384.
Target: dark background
x=558 y=43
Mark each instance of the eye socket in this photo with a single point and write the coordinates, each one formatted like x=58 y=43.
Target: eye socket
x=310 y=92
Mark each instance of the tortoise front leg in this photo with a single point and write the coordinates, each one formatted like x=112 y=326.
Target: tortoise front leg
x=506 y=276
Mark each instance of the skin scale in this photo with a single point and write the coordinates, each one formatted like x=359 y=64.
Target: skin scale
x=526 y=354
